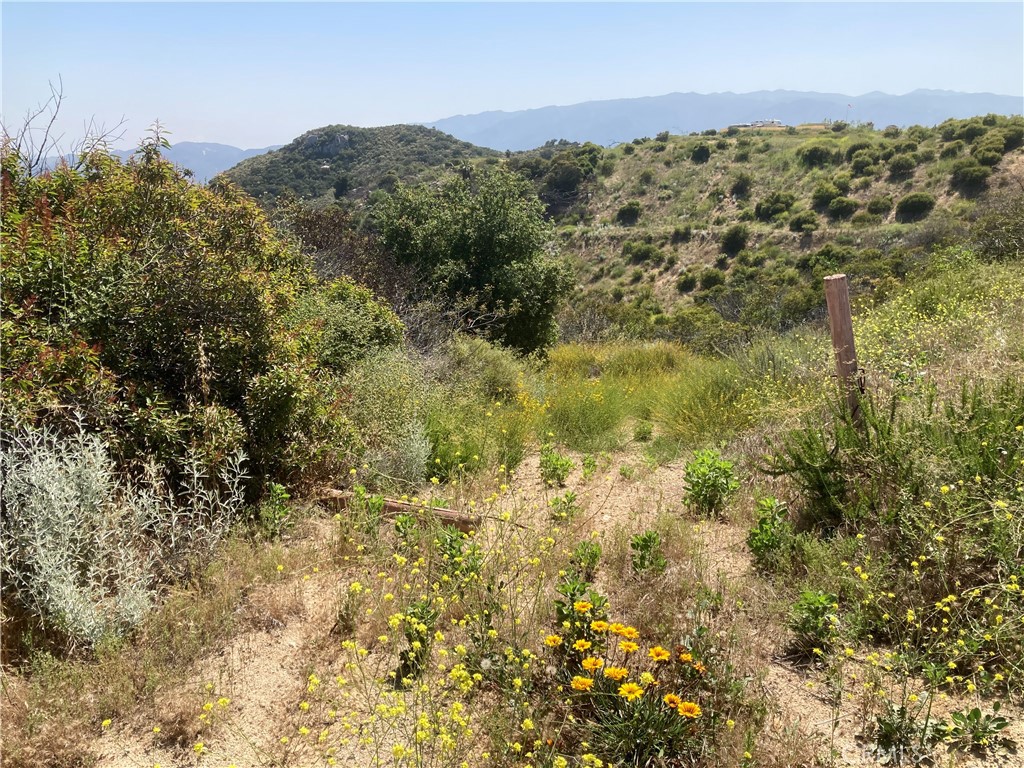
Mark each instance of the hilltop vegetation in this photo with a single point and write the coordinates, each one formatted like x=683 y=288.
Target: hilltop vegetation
x=340 y=160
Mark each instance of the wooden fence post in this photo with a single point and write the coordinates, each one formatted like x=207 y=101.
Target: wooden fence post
x=840 y=320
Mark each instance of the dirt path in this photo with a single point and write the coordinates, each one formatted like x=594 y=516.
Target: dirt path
x=262 y=673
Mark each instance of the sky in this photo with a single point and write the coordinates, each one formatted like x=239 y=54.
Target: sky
x=256 y=74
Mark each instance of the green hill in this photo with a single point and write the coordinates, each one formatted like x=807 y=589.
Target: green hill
x=340 y=160
x=704 y=238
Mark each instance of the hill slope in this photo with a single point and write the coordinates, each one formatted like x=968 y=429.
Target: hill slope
x=341 y=159
x=705 y=238
x=615 y=120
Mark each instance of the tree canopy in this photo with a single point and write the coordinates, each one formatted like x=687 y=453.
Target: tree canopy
x=480 y=240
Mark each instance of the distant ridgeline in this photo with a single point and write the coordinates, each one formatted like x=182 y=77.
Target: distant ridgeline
x=617 y=120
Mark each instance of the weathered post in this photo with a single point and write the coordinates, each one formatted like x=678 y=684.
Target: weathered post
x=840 y=320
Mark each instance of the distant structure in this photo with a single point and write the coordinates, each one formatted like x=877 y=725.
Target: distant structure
x=760 y=124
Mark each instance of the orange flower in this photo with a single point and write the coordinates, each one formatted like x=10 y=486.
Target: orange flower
x=628 y=646
x=671 y=700
x=659 y=654
x=630 y=691
x=582 y=683
x=688 y=709
x=630 y=633
x=591 y=664
x=617 y=674
x=616 y=628
x=686 y=657
x=699 y=667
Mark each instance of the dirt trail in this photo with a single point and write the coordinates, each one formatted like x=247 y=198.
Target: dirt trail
x=263 y=670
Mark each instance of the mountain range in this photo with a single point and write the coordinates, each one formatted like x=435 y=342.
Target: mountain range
x=204 y=159
x=617 y=120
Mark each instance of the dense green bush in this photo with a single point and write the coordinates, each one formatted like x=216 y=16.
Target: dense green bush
x=864 y=163
x=901 y=166
x=914 y=206
x=824 y=193
x=343 y=323
x=642 y=252
x=880 y=205
x=842 y=207
x=686 y=282
x=741 y=184
x=775 y=204
x=734 y=239
x=952 y=149
x=700 y=153
x=170 y=311
x=856 y=146
x=629 y=214
x=804 y=221
x=969 y=176
x=479 y=239
x=681 y=234
x=819 y=153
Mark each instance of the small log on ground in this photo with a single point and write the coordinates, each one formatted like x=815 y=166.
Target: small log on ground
x=465 y=523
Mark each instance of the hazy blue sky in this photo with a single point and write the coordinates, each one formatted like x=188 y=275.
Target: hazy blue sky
x=257 y=74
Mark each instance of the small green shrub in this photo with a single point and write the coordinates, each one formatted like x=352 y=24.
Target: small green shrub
x=824 y=193
x=771 y=540
x=818 y=153
x=642 y=431
x=638 y=252
x=565 y=507
x=970 y=730
x=814 y=620
x=554 y=467
x=902 y=166
x=741 y=184
x=953 y=149
x=646 y=554
x=709 y=278
x=969 y=176
x=682 y=234
x=710 y=481
x=775 y=204
x=585 y=559
x=274 y=511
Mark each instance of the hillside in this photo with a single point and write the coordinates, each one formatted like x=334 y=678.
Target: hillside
x=718 y=234
x=615 y=120
x=342 y=159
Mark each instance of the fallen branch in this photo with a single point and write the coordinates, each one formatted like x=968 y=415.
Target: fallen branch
x=465 y=523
